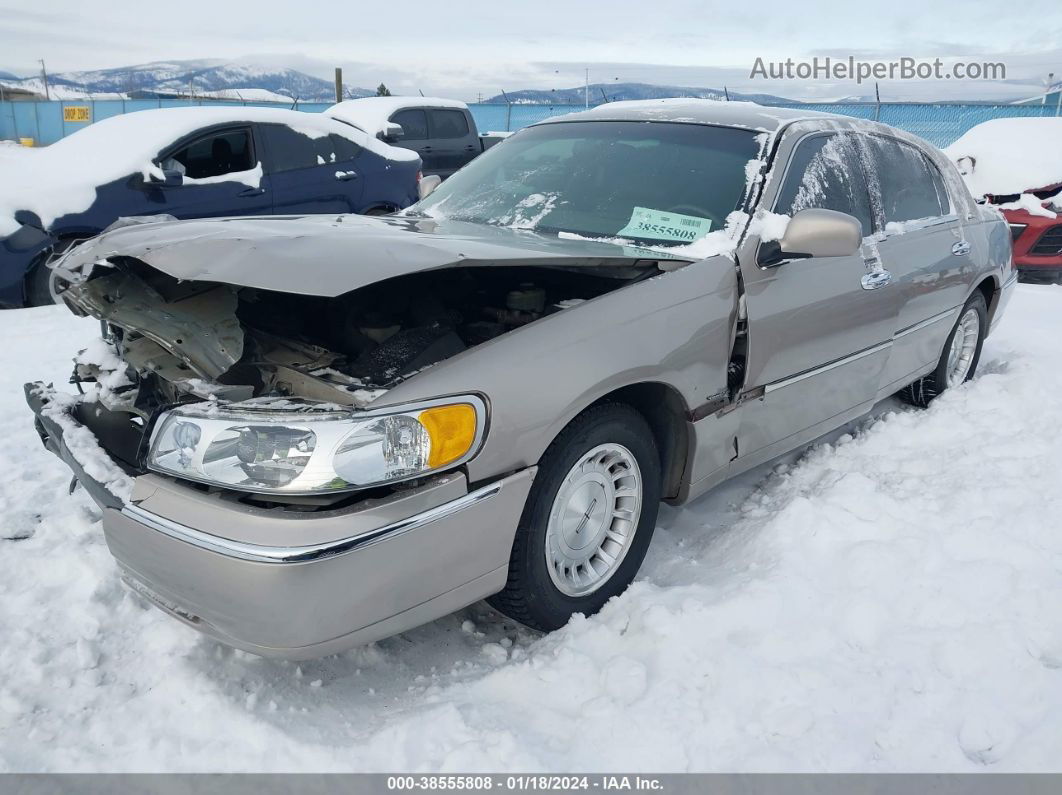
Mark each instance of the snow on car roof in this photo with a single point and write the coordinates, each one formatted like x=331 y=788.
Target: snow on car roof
x=1004 y=156
x=696 y=111
x=62 y=178
x=372 y=113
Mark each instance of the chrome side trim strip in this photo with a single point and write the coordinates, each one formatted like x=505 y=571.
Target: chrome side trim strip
x=927 y=322
x=827 y=367
x=304 y=554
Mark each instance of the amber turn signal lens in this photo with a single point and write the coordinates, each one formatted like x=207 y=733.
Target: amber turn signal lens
x=452 y=430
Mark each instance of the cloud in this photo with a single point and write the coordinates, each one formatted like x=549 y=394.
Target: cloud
x=466 y=47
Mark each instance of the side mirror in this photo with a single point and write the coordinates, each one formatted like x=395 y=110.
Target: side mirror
x=815 y=233
x=171 y=178
x=391 y=132
x=427 y=185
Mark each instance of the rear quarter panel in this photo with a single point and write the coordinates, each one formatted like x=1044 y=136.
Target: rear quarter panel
x=391 y=183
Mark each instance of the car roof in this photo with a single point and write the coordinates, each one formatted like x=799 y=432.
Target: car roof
x=697 y=111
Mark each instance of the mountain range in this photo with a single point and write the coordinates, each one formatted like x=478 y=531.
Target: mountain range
x=193 y=77
x=211 y=76
x=612 y=92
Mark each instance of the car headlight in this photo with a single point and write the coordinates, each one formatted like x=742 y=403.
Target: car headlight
x=305 y=450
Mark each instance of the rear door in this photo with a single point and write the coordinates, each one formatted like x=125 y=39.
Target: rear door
x=311 y=175
x=453 y=139
x=818 y=339
x=415 y=136
x=222 y=176
x=924 y=250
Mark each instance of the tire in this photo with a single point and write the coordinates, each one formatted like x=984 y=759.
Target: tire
x=921 y=392
x=601 y=442
x=41 y=281
x=379 y=211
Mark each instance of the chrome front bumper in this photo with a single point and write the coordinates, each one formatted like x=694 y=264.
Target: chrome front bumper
x=302 y=600
x=299 y=584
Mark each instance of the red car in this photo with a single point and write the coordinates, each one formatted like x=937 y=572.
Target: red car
x=1004 y=160
x=1037 y=236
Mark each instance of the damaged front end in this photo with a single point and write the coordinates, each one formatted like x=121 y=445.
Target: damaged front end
x=272 y=394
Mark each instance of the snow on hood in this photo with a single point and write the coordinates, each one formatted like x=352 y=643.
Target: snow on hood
x=372 y=113
x=1004 y=156
x=62 y=178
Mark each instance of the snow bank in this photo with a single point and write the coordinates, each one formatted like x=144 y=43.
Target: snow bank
x=1004 y=156
x=62 y=178
x=371 y=113
x=887 y=600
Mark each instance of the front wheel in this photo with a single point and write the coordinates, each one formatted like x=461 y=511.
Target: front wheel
x=588 y=520
x=43 y=285
x=958 y=361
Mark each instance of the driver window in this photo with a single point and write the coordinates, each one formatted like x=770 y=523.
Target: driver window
x=825 y=173
x=414 y=124
x=225 y=152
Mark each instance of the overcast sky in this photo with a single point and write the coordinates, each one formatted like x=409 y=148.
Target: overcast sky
x=463 y=48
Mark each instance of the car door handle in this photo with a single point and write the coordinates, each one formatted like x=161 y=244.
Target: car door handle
x=343 y=176
x=470 y=148
x=872 y=281
x=961 y=248
x=251 y=192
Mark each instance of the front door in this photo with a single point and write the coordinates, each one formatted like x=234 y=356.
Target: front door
x=414 y=123
x=820 y=328
x=222 y=176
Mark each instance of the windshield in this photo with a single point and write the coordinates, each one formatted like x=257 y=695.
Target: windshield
x=655 y=182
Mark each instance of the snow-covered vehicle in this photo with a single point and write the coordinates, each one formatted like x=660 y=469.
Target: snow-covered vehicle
x=185 y=163
x=1016 y=165
x=442 y=132
x=489 y=394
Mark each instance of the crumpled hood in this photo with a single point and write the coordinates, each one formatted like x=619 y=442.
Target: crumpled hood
x=328 y=255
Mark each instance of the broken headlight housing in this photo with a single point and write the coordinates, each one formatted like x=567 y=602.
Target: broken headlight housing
x=303 y=449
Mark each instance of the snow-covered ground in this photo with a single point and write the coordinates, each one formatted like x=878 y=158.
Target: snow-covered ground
x=886 y=600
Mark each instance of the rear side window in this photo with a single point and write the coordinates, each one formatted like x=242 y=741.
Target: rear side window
x=414 y=124
x=448 y=124
x=344 y=148
x=910 y=188
x=224 y=152
x=288 y=149
x=825 y=174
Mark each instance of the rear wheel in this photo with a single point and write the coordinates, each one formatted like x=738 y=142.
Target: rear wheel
x=958 y=361
x=588 y=520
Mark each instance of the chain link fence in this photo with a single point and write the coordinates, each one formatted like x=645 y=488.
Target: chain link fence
x=46 y=122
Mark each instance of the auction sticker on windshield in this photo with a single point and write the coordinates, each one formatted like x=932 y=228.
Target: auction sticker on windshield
x=658 y=225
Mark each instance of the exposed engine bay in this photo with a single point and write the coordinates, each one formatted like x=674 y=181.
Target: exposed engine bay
x=175 y=342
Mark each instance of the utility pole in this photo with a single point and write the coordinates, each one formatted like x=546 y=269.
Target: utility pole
x=339 y=84
x=726 y=94
x=44 y=76
x=1047 y=88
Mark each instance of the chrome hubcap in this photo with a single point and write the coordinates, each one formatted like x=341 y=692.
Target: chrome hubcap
x=963 y=347
x=593 y=519
x=57 y=284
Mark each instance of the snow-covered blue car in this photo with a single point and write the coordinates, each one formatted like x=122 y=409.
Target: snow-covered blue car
x=186 y=163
